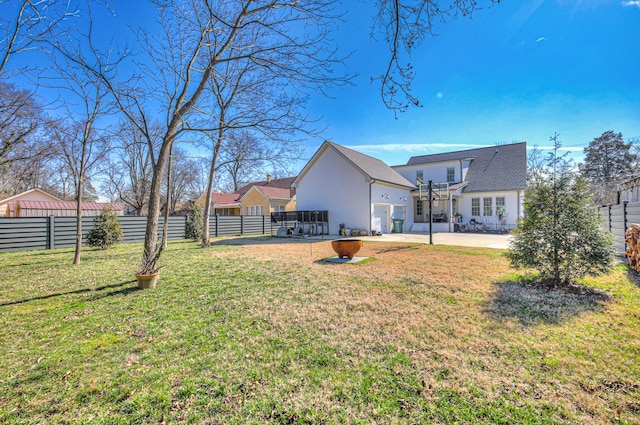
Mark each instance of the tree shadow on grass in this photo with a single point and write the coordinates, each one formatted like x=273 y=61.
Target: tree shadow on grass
x=533 y=303
x=78 y=291
x=634 y=276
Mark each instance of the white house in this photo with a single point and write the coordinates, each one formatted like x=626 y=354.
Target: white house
x=485 y=186
x=357 y=190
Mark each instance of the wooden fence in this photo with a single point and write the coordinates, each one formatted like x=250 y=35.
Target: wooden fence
x=17 y=234
x=618 y=218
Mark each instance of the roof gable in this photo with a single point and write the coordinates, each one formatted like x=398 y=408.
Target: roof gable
x=32 y=194
x=494 y=168
x=371 y=167
x=270 y=192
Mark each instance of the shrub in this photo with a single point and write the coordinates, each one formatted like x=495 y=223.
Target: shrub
x=106 y=231
x=561 y=234
x=195 y=223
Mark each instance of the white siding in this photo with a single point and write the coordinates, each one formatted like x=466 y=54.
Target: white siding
x=333 y=184
x=436 y=172
x=512 y=199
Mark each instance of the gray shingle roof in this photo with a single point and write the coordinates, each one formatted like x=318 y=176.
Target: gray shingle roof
x=495 y=168
x=372 y=167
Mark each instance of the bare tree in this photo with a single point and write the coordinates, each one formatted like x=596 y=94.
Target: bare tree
x=185 y=172
x=129 y=175
x=24 y=150
x=405 y=24
x=82 y=143
x=536 y=163
x=25 y=23
x=198 y=36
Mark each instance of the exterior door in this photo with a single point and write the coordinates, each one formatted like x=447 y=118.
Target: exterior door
x=380 y=218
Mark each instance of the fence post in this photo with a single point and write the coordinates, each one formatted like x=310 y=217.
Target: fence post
x=609 y=218
x=242 y=224
x=51 y=227
x=624 y=223
x=264 y=224
x=217 y=225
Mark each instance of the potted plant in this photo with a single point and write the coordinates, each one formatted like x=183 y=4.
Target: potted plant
x=458 y=217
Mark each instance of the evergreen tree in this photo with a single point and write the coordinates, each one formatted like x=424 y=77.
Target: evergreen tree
x=106 y=231
x=194 y=225
x=561 y=234
x=608 y=161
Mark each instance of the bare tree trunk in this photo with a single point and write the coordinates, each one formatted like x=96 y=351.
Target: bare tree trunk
x=76 y=258
x=206 y=242
x=165 y=226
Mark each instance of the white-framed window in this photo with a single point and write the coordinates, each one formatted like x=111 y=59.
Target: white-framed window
x=487 y=211
x=260 y=210
x=475 y=207
x=278 y=208
x=247 y=210
x=500 y=203
x=451 y=175
x=419 y=177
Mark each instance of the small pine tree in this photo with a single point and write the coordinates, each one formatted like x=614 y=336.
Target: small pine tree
x=106 y=231
x=561 y=234
x=193 y=228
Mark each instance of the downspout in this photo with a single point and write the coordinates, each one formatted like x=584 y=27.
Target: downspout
x=371 y=182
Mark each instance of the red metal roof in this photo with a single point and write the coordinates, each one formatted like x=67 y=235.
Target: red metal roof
x=67 y=205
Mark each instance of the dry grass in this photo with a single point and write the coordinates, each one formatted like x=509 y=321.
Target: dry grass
x=468 y=325
x=261 y=330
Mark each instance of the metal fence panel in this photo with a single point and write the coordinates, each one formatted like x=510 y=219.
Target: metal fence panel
x=617 y=219
x=36 y=233
x=29 y=233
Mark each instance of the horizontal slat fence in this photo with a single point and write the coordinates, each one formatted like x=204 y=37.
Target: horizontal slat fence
x=618 y=219
x=33 y=233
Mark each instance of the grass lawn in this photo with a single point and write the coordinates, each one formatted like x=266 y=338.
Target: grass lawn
x=260 y=330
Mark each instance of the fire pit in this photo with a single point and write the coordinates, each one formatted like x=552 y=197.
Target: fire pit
x=346 y=247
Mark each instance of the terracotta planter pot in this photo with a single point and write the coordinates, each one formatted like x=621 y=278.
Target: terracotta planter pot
x=346 y=247
x=148 y=281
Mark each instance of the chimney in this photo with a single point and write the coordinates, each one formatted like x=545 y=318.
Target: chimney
x=268 y=178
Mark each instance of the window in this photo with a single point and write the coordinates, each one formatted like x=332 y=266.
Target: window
x=247 y=212
x=475 y=207
x=501 y=211
x=418 y=207
x=488 y=207
x=260 y=210
x=451 y=175
x=278 y=208
x=419 y=177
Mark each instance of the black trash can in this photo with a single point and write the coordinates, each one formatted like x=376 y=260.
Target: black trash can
x=397 y=225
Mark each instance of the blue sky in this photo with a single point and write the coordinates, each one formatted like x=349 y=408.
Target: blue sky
x=518 y=71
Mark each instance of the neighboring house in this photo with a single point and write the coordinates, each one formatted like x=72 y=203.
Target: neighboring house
x=264 y=200
x=258 y=198
x=357 y=190
x=8 y=205
x=270 y=195
x=486 y=186
x=62 y=209
x=629 y=191
x=221 y=203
